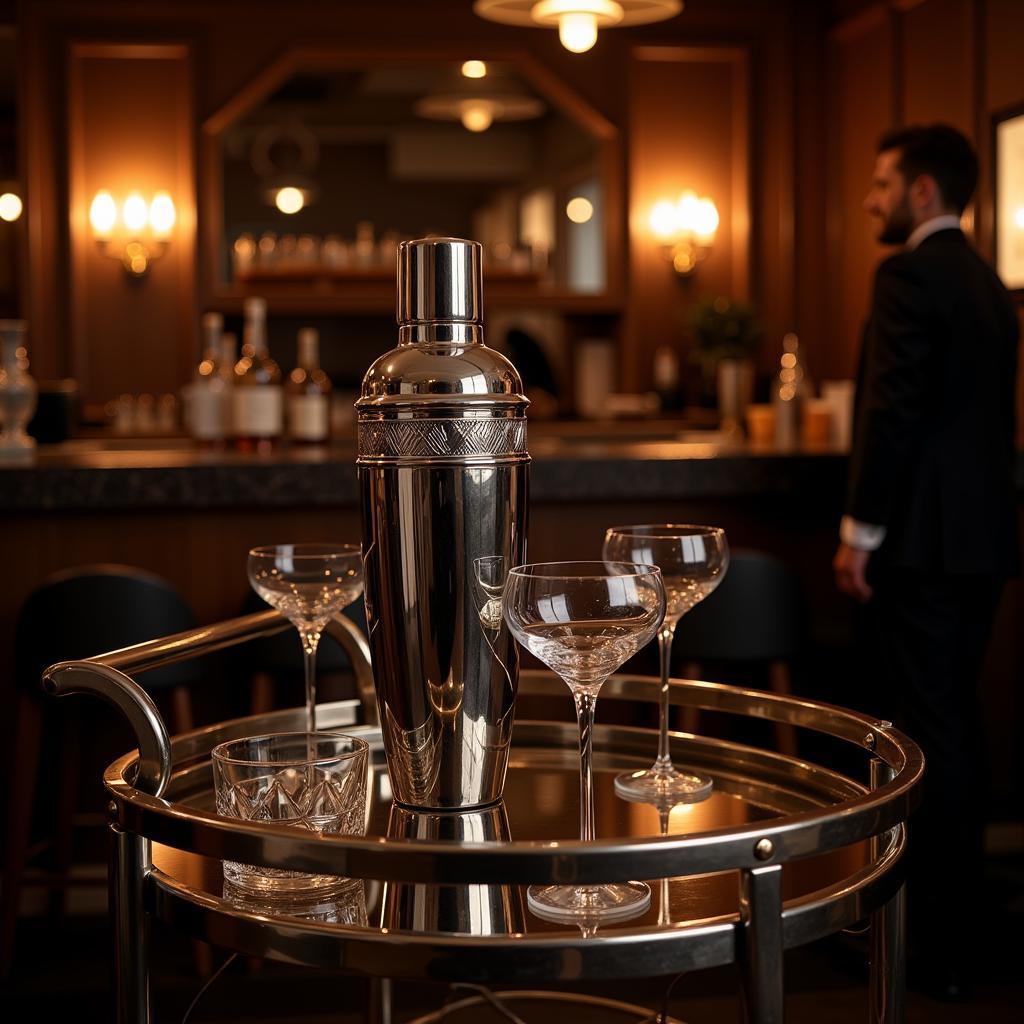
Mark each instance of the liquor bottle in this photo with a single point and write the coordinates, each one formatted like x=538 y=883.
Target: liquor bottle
x=308 y=391
x=207 y=412
x=789 y=391
x=18 y=392
x=257 y=399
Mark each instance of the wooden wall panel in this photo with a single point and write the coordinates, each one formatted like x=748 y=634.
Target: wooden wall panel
x=860 y=61
x=689 y=128
x=937 y=51
x=131 y=127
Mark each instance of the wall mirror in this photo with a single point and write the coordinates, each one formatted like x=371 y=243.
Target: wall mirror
x=322 y=164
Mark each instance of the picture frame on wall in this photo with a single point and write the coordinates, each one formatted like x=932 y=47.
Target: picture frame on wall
x=1008 y=168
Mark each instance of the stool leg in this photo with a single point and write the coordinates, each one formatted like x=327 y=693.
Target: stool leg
x=785 y=735
x=28 y=729
x=761 y=945
x=379 y=1011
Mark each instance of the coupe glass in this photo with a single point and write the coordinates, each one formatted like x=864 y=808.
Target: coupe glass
x=693 y=560
x=583 y=620
x=309 y=583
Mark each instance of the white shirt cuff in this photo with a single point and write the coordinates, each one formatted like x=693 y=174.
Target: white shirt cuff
x=862 y=536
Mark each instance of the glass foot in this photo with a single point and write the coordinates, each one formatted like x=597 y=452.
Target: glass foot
x=663 y=786
x=581 y=904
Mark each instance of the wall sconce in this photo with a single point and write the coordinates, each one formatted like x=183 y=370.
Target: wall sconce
x=686 y=229
x=138 y=233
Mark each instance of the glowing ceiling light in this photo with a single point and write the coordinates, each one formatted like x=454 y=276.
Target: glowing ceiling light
x=577 y=21
x=103 y=214
x=289 y=199
x=476 y=115
x=577 y=31
x=474 y=69
x=10 y=206
x=579 y=209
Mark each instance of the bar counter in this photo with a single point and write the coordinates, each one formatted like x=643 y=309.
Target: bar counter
x=101 y=474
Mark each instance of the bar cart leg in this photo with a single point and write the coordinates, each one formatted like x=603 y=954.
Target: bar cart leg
x=380 y=1001
x=761 y=950
x=129 y=865
x=887 y=983
x=888 y=960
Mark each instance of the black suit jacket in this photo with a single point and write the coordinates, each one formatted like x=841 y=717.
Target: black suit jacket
x=934 y=433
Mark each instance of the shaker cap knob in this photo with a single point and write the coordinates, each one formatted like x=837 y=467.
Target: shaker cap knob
x=439 y=279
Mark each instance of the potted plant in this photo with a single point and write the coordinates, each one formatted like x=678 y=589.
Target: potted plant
x=726 y=336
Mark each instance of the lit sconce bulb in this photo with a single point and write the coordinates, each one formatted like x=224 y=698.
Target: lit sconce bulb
x=103 y=214
x=577 y=31
x=664 y=219
x=135 y=212
x=689 y=211
x=474 y=69
x=1018 y=217
x=10 y=206
x=579 y=210
x=476 y=115
x=705 y=222
x=289 y=199
x=162 y=214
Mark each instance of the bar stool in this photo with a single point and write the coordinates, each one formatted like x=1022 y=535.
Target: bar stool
x=753 y=617
x=75 y=614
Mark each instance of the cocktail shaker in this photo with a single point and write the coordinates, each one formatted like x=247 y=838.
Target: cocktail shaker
x=443 y=473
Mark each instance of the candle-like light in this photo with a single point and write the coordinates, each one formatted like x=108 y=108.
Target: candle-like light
x=135 y=212
x=10 y=206
x=289 y=199
x=162 y=214
x=579 y=209
x=476 y=115
x=474 y=69
x=103 y=214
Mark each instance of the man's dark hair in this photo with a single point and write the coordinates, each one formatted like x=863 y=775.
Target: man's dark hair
x=942 y=152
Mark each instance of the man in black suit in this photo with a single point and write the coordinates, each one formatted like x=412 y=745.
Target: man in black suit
x=930 y=529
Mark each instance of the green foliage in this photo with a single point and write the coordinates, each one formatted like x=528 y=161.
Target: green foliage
x=723 y=329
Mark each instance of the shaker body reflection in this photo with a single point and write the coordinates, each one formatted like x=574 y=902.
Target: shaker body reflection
x=443 y=475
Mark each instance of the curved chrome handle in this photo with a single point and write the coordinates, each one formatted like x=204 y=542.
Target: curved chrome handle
x=354 y=644
x=133 y=702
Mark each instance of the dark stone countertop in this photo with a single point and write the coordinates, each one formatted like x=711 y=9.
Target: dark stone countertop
x=90 y=475
x=96 y=475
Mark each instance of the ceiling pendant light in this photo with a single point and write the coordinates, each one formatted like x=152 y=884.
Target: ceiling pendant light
x=577 y=21
x=478 y=103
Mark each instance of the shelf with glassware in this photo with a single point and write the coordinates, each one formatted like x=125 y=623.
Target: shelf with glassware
x=330 y=274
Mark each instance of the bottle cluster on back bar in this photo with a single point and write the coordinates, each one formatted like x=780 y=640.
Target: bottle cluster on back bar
x=244 y=401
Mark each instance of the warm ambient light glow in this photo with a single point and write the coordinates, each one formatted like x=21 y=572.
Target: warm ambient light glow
x=474 y=69
x=476 y=115
x=579 y=210
x=289 y=199
x=664 y=219
x=135 y=212
x=162 y=214
x=103 y=214
x=10 y=206
x=577 y=32
x=1018 y=218
x=686 y=229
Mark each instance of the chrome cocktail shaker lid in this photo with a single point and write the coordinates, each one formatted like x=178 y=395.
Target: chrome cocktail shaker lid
x=439 y=279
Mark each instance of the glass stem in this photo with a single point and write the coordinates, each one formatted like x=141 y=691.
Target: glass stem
x=585 y=704
x=665 y=637
x=310 y=641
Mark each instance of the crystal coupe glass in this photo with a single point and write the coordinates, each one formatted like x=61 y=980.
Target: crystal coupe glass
x=693 y=560
x=309 y=583
x=583 y=620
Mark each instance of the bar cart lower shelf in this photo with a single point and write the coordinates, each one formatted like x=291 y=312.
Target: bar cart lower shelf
x=784 y=852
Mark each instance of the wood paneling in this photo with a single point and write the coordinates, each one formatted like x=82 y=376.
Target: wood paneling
x=679 y=95
x=861 y=94
x=131 y=127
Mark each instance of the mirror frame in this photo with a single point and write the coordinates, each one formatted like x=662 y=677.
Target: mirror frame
x=217 y=293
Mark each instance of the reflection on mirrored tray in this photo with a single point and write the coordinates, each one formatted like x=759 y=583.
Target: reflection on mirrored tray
x=324 y=176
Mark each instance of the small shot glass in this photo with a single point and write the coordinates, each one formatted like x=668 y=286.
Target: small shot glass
x=315 y=781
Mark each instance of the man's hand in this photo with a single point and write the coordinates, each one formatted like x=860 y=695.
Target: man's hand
x=850 y=566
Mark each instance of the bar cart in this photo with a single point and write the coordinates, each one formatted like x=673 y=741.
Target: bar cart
x=815 y=851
